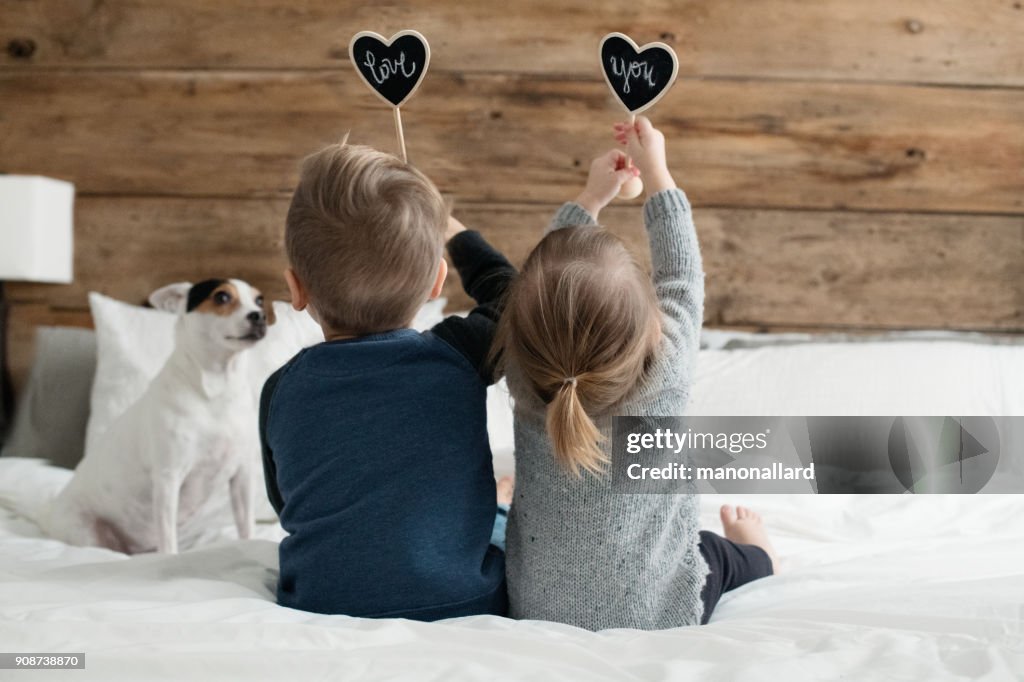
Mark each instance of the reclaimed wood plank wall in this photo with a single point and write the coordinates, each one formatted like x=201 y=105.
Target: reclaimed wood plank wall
x=854 y=165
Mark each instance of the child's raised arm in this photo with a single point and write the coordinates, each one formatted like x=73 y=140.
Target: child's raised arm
x=485 y=275
x=608 y=172
x=677 y=269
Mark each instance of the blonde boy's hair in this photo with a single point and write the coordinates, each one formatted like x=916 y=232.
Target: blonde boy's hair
x=365 y=235
x=581 y=325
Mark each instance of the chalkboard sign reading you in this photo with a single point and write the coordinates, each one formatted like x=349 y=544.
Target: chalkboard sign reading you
x=639 y=76
x=392 y=68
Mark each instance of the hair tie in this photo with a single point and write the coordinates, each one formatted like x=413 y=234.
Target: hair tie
x=571 y=381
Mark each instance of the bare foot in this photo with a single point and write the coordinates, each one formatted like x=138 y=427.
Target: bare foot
x=506 y=486
x=744 y=526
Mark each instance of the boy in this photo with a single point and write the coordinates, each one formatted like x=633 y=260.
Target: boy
x=375 y=442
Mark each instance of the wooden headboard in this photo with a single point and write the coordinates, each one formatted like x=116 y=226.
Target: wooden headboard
x=853 y=165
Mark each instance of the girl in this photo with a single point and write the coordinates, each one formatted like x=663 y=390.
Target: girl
x=587 y=335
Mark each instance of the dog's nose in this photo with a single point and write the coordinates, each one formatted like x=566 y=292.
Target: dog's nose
x=256 y=316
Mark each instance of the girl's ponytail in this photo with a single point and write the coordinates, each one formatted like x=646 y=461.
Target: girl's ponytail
x=580 y=325
x=573 y=433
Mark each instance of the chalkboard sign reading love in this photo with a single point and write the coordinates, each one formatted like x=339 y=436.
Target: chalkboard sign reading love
x=392 y=68
x=639 y=76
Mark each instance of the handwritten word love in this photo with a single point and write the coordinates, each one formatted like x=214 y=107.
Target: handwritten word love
x=388 y=67
x=634 y=69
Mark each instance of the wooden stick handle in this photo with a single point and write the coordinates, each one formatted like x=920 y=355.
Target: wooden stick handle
x=400 y=133
x=632 y=123
x=632 y=188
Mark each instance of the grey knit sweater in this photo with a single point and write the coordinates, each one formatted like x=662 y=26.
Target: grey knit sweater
x=577 y=552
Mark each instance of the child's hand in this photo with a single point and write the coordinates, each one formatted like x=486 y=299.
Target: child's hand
x=607 y=173
x=645 y=145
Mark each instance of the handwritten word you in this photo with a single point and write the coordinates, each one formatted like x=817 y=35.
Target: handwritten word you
x=388 y=67
x=633 y=69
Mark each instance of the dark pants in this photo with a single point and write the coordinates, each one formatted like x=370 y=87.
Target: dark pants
x=731 y=565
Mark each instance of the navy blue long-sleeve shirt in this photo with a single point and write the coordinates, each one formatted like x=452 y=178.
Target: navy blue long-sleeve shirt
x=377 y=460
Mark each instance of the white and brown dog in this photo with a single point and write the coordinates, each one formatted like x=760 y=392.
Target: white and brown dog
x=190 y=436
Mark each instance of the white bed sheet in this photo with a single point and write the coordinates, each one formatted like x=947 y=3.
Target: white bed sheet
x=874 y=587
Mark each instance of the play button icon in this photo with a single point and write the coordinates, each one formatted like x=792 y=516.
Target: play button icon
x=944 y=454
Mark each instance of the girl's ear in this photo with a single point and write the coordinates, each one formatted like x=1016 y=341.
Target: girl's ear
x=300 y=299
x=171 y=298
x=442 y=273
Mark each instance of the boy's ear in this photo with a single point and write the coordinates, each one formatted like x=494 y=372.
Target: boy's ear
x=300 y=299
x=442 y=273
x=171 y=298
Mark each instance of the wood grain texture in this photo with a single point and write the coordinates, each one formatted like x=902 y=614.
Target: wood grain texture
x=855 y=165
x=784 y=269
x=927 y=41
x=767 y=269
x=515 y=138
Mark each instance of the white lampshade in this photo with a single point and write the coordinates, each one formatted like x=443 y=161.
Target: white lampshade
x=36 y=233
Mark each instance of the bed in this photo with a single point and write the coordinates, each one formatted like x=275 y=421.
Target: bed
x=872 y=586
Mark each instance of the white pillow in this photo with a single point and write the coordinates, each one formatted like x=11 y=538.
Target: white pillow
x=879 y=378
x=430 y=314
x=132 y=343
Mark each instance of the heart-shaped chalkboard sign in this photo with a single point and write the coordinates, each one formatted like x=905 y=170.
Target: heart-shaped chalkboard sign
x=639 y=76
x=392 y=68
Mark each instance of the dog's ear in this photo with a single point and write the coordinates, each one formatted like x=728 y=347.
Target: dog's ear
x=171 y=298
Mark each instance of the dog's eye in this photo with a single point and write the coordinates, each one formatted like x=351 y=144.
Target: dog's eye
x=259 y=300
x=221 y=297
